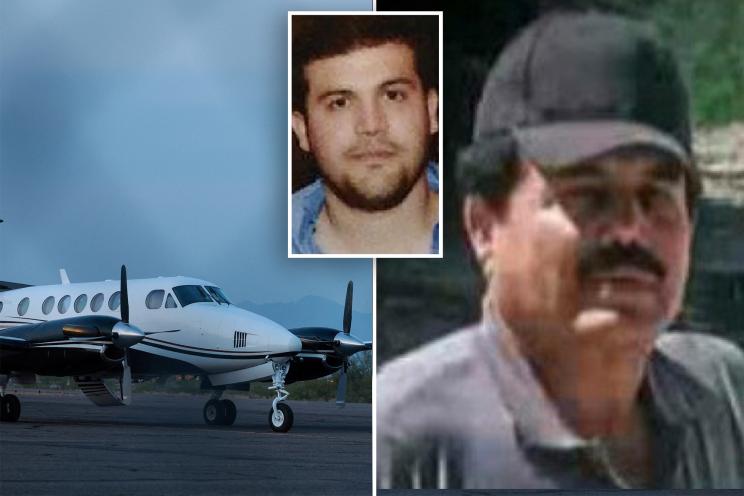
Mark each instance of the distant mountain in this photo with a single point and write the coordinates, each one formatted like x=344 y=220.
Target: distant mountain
x=313 y=311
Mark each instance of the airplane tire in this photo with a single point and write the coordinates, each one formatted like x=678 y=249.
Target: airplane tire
x=229 y=412
x=10 y=408
x=283 y=420
x=213 y=413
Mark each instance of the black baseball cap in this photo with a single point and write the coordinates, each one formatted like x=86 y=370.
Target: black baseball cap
x=574 y=85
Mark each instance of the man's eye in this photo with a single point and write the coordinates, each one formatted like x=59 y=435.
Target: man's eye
x=395 y=95
x=652 y=198
x=338 y=103
x=583 y=201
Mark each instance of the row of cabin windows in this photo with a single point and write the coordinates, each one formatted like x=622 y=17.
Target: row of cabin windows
x=63 y=305
x=186 y=294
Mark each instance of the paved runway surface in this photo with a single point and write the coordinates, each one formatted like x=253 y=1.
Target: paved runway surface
x=65 y=445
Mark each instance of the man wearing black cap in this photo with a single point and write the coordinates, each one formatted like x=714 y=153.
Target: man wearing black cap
x=579 y=200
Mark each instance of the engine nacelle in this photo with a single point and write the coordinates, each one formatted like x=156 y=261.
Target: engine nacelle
x=113 y=354
x=304 y=368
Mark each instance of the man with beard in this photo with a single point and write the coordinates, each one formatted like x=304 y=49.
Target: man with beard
x=579 y=192
x=365 y=105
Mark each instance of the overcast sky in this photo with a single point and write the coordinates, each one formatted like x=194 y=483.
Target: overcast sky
x=154 y=133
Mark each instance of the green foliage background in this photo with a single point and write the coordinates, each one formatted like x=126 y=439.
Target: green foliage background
x=708 y=38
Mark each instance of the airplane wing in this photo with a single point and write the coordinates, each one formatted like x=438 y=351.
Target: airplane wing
x=7 y=286
x=99 y=329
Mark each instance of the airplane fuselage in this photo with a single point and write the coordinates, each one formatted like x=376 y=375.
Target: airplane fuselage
x=189 y=325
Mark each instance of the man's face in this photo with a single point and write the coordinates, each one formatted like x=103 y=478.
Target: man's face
x=367 y=123
x=611 y=234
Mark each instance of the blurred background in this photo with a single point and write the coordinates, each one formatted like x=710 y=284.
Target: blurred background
x=419 y=300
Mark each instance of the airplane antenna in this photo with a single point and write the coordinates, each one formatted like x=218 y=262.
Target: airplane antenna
x=63 y=276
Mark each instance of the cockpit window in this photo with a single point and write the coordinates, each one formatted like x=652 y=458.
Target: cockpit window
x=189 y=294
x=217 y=294
x=170 y=302
x=154 y=300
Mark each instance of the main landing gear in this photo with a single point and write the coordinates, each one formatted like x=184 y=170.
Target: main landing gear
x=219 y=412
x=10 y=405
x=280 y=415
x=281 y=418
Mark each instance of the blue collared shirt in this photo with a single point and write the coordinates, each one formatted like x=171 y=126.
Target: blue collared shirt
x=307 y=204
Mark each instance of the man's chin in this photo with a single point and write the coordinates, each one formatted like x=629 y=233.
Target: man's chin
x=374 y=197
x=640 y=309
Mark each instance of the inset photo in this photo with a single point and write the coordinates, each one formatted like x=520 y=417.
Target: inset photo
x=364 y=135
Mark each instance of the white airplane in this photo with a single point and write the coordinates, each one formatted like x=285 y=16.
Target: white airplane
x=174 y=325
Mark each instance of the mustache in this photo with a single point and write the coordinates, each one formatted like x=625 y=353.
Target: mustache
x=595 y=257
x=377 y=147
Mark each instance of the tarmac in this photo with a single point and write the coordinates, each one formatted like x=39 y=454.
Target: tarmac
x=64 y=445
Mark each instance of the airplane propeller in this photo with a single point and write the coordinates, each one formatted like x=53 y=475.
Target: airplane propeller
x=337 y=345
x=345 y=344
x=123 y=334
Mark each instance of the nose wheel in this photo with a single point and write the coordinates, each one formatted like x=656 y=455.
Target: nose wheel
x=282 y=418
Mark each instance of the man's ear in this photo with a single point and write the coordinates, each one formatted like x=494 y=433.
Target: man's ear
x=299 y=127
x=479 y=218
x=432 y=104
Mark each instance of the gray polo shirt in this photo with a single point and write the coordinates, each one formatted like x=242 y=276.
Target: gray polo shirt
x=463 y=412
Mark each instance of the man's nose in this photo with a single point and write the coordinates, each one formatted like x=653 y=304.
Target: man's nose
x=371 y=118
x=628 y=223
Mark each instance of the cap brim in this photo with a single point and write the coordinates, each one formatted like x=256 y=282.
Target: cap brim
x=566 y=143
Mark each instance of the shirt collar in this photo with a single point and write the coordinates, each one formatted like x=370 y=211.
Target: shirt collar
x=536 y=420
x=675 y=398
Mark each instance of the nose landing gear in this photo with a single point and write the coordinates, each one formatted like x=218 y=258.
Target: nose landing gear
x=281 y=417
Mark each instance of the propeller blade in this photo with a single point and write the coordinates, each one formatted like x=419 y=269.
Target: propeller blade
x=124 y=296
x=341 y=390
x=347 y=307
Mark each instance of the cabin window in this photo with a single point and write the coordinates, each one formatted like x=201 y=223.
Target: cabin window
x=1 y=306
x=48 y=305
x=23 y=306
x=191 y=294
x=154 y=300
x=64 y=304
x=97 y=302
x=114 y=301
x=80 y=302
x=170 y=302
